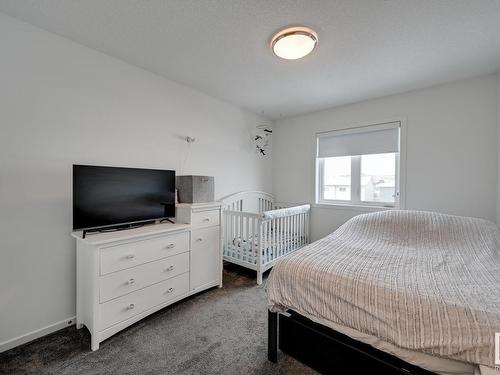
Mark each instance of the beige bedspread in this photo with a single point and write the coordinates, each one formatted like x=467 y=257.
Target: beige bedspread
x=419 y=280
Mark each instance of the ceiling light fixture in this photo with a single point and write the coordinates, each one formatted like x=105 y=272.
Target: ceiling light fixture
x=294 y=42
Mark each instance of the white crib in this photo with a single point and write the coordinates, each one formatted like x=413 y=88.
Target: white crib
x=258 y=231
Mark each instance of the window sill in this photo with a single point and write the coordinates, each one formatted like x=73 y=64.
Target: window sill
x=352 y=207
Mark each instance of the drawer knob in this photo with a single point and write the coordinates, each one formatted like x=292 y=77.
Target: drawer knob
x=130 y=256
x=131 y=306
x=170 y=246
x=170 y=290
x=131 y=281
x=206 y=219
x=199 y=239
x=171 y=268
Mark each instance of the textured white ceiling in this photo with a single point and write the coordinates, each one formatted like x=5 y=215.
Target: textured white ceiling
x=367 y=48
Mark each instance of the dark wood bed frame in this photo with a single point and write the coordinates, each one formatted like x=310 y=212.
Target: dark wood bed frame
x=328 y=351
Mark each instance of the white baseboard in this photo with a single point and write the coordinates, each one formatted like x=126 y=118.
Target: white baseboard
x=16 y=341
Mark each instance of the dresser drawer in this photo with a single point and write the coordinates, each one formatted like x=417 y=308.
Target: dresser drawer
x=204 y=219
x=120 y=257
x=122 y=282
x=134 y=303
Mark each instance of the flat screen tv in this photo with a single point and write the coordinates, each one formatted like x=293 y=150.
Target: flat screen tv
x=112 y=196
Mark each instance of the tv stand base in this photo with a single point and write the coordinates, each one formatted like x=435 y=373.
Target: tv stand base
x=116 y=228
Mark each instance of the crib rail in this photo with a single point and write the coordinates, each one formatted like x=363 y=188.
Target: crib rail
x=255 y=235
x=236 y=205
x=282 y=236
x=280 y=205
x=248 y=201
x=241 y=235
x=265 y=204
x=257 y=241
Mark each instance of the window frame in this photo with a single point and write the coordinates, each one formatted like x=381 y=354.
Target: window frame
x=355 y=202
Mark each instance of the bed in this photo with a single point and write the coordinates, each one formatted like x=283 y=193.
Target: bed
x=418 y=289
x=257 y=231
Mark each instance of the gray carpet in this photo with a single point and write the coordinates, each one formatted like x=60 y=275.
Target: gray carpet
x=220 y=331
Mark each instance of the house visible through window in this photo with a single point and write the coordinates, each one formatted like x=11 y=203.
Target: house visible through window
x=359 y=166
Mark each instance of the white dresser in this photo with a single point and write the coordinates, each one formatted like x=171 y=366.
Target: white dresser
x=126 y=275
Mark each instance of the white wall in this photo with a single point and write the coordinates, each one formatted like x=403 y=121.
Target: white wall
x=451 y=149
x=498 y=149
x=62 y=103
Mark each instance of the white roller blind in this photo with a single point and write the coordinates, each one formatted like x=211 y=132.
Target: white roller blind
x=374 y=139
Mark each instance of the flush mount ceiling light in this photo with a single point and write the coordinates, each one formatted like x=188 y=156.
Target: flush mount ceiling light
x=294 y=42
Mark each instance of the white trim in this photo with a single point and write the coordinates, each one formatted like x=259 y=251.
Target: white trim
x=403 y=131
x=355 y=181
x=30 y=336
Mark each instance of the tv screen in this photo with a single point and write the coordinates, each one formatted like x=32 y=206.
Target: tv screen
x=107 y=196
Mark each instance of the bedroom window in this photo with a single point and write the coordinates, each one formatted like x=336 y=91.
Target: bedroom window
x=359 y=166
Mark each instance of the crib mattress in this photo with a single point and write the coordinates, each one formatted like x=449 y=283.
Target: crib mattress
x=242 y=249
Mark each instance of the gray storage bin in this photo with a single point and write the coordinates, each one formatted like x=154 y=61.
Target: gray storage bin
x=195 y=189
